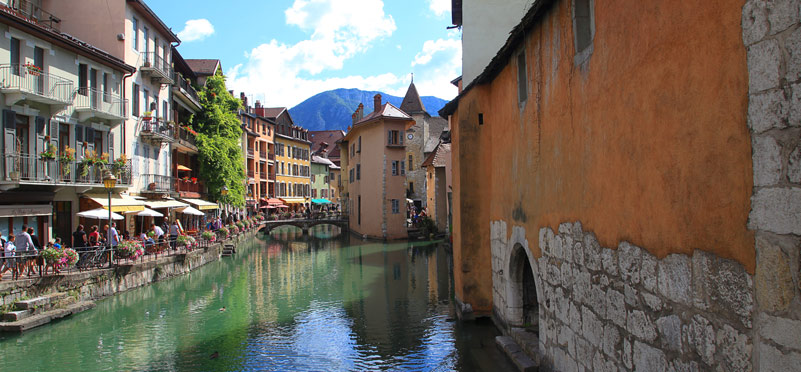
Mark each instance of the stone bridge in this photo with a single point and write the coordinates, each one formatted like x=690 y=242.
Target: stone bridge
x=306 y=224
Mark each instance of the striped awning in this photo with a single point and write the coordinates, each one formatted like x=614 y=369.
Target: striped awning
x=293 y=200
x=168 y=203
x=201 y=204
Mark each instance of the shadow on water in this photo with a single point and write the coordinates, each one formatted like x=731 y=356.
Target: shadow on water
x=323 y=301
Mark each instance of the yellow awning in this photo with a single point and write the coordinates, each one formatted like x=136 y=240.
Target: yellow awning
x=201 y=204
x=183 y=168
x=119 y=203
x=294 y=200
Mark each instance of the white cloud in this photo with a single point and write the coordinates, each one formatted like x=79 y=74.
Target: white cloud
x=282 y=74
x=196 y=30
x=440 y=7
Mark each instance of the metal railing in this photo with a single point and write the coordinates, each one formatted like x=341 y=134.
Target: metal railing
x=28 y=79
x=182 y=185
x=271 y=156
x=35 y=13
x=157 y=128
x=30 y=168
x=157 y=183
x=250 y=173
x=96 y=100
x=151 y=61
x=185 y=86
x=186 y=136
x=97 y=257
x=250 y=152
x=262 y=154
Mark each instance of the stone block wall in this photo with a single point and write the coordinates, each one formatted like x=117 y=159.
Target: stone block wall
x=772 y=37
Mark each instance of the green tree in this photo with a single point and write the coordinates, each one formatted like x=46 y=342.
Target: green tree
x=219 y=133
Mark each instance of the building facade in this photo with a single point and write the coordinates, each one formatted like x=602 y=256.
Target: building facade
x=377 y=171
x=61 y=103
x=292 y=160
x=321 y=178
x=258 y=148
x=632 y=226
x=438 y=187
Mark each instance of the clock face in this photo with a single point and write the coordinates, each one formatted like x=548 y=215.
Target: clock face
x=410 y=136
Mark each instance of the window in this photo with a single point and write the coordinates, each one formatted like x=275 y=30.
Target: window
x=403 y=168
x=394 y=138
x=583 y=28
x=135 y=23
x=106 y=88
x=145 y=37
x=165 y=111
x=351 y=175
x=314 y=193
x=83 y=79
x=358 y=172
x=360 y=145
x=135 y=100
x=411 y=161
x=522 y=80
x=395 y=206
x=312 y=177
x=411 y=187
x=395 y=168
x=14 y=56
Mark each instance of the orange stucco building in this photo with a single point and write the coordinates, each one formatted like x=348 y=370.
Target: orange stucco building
x=611 y=154
x=376 y=171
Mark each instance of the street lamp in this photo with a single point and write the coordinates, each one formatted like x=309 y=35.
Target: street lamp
x=109 y=181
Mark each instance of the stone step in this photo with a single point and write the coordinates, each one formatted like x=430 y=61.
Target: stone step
x=45 y=301
x=13 y=316
x=45 y=317
x=516 y=354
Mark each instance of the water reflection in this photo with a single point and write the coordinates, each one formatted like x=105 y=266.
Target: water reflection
x=322 y=301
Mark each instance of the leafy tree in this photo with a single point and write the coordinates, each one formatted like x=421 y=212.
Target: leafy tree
x=219 y=133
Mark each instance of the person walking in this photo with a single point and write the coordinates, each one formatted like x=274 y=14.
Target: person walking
x=26 y=250
x=39 y=260
x=113 y=237
x=9 y=262
x=174 y=230
x=159 y=234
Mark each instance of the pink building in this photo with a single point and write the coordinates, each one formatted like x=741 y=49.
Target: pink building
x=376 y=171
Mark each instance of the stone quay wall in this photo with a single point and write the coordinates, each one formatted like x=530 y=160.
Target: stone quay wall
x=623 y=309
x=97 y=284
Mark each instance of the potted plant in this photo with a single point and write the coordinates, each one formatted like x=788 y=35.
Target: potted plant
x=65 y=158
x=223 y=232
x=194 y=180
x=33 y=69
x=49 y=154
x=70 y=257
x=118 y=165
x=130 y=249
x=208 y=236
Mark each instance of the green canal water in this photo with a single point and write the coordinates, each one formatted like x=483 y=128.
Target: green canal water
x=325 y=302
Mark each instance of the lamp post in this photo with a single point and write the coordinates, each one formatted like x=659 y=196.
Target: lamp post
x=109 y=181
x=224 y=193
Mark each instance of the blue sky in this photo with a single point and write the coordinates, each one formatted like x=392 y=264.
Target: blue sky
x=284 y=51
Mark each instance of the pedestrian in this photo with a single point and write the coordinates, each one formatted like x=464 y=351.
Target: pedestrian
x=57 y=244
x=94 y=236
x=159 y=233
x=39 y=260
x=79 y=238
x=174 y=230
x=26 y=250
x=9 y=262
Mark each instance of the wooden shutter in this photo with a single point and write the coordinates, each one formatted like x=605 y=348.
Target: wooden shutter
x=54 y=133
x=79 y=149
x=41 y=145
x=400 y=140
x=389 y=137
x=9 y=141
x=111 y=146
x=90 y=141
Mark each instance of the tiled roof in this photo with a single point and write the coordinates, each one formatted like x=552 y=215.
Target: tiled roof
x=438 y=157
x=321 y=160
x=205 y=67
x=386 y=111
x=273 y=112
x=328 y=136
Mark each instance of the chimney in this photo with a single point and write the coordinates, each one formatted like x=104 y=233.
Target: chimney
x=353 y=116
x=244 y=100
x=258 y=104
x=377 y=102
x=360 y=112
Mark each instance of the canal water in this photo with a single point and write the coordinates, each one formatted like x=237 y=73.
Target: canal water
x=284 y=302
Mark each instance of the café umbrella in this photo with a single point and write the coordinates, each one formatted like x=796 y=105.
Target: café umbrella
x=99 y=214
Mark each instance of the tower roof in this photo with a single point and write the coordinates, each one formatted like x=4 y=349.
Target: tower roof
x=411 y=101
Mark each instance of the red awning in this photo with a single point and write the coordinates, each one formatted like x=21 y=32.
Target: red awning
x=274 y=202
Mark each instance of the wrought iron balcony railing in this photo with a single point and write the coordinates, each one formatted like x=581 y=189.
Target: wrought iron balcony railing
x=31 y=83
x=157 y=67
x=157 y=183
x=185 y=135
x=28 y=168
x=33 y=12
x=93 y=102
x=157 y=130
x=185 y=87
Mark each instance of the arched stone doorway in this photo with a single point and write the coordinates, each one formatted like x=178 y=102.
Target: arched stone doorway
x=522 y=298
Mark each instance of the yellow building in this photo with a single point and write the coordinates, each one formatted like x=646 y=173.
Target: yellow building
x=292 y=160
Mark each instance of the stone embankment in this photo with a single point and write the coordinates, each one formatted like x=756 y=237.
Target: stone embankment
x=33 y=302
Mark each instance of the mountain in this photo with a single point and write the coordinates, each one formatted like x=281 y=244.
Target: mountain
x=332 y=109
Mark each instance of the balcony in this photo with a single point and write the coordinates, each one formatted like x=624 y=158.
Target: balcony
x=272 y=176
x=26 y=82
x=250 y=153
x=32 y=169
x=157 y=183
x=271 y=156
x=262 y=154
x=32 y=12
x=184 y=90
x=93 y=103
x=157 y=131
x=263 y=175
x=185 y=139
x=251 y=173
x=186 y=186
x=157 y=68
